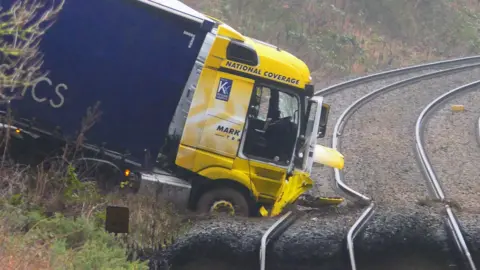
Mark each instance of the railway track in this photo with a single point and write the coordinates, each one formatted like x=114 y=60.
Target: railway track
x=458 y=181
x=374 y=122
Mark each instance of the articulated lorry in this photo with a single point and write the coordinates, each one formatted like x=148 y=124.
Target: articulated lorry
x=190 y=107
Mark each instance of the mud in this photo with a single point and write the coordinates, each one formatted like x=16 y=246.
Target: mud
x=394 y=239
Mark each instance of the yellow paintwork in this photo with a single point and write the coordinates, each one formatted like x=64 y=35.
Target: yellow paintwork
x=289 y=192
x=263 y=211
x=239 y=176
x=207 y=115
x=274 y=63
x=213 y=130
x=328 y=156
x=267 y=178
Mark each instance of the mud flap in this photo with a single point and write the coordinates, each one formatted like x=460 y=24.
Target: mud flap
x=289 y=192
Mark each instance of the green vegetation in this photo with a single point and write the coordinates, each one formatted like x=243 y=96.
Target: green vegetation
x=49 y=219
x=65 y=243
x=343 y=37
x=52 y=218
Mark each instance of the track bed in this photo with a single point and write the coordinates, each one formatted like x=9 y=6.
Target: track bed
x=452 y=146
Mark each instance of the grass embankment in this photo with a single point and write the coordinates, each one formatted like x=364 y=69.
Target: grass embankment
x=52 y=220
x=337 y=38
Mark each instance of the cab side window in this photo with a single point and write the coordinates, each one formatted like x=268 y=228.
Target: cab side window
x=272 y=125
x=264 y=101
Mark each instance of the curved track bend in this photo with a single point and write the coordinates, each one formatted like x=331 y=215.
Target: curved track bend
x=387 y=170
x=381 y=125
x=455 y=154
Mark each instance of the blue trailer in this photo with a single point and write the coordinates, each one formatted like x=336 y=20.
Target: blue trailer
x=134 y=57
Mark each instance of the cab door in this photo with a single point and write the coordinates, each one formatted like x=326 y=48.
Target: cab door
x=313 y=122
x=271 y=132
x=300 y=181
x=215 y=121
x=225 y=115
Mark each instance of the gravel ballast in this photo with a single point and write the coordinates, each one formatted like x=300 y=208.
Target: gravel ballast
x=394 y=239
x=378 y=142
x=340 y=101
x=452 y=136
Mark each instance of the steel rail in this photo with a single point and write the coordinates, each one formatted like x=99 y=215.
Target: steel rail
x=395 y=72
x=477 y=130
x=431 y=176
x=336 y=144
x=274 y=231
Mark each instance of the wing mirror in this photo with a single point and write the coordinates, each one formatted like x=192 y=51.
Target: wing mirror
x=322 y=126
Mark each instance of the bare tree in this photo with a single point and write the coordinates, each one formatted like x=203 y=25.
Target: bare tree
x=22 y=27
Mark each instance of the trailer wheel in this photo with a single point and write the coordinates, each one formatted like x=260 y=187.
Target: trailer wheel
x=223 y=201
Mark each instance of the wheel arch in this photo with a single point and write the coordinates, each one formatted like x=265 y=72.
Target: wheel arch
x=213 y=178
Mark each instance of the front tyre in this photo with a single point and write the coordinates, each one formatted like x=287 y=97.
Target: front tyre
x=223 y=201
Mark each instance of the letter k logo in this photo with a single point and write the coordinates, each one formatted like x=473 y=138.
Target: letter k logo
x=224 y=87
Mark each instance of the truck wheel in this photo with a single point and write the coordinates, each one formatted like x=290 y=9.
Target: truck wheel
x=223 y=200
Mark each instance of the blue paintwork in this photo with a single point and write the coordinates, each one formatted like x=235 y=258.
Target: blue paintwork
x=130 y=56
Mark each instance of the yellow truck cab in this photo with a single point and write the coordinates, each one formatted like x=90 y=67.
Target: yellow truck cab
x=248 y=132
x=184 y=106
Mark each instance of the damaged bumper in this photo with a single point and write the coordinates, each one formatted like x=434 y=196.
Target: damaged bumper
x=328 y=156
x=300 y=182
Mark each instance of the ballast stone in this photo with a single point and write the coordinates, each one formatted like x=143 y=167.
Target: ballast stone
x=401 y=237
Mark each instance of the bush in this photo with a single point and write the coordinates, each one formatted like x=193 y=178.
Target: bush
x=71 y=236
x=65 y=243
x=340 y=37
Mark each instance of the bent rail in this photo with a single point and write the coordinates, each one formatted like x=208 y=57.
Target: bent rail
x=339 y=176
x=429 y=171
x=274 y=231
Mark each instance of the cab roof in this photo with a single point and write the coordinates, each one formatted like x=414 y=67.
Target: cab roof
x=180 y=9
x=273 y=56
x=273 y=62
